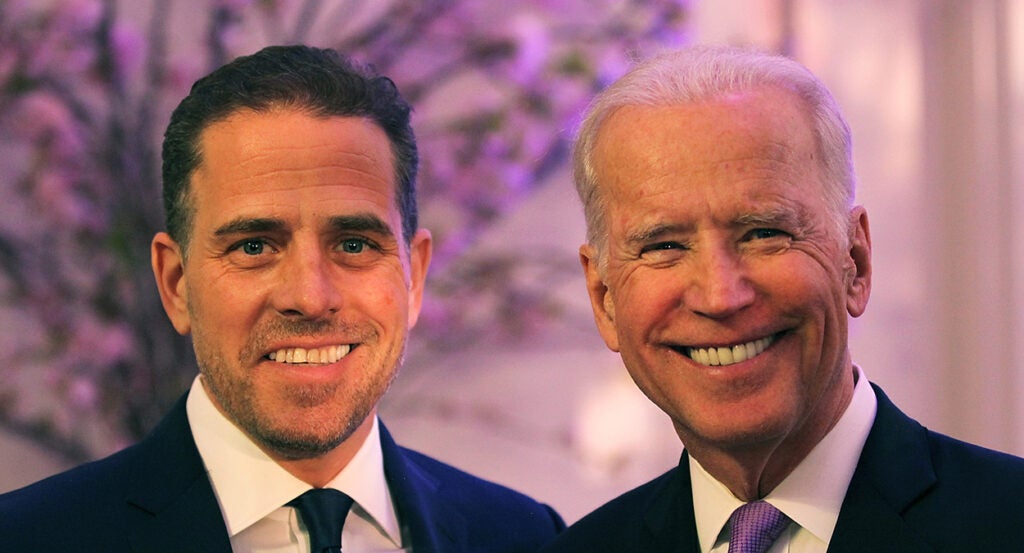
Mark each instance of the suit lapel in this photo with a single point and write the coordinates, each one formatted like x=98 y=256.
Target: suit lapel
x=894 y=470
x=430 y=528
x=171 y=506
x=669 y=521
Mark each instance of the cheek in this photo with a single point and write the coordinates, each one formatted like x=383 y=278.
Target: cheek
x=647 y=302
x=386 y=299
x=799 y=279
x=223 y=310
x=812 y=295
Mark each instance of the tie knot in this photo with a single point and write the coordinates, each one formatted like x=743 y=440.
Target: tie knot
x=323 y=511
x=755 y=526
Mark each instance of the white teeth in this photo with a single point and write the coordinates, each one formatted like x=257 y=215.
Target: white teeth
x=729 y=355
x=315 y=356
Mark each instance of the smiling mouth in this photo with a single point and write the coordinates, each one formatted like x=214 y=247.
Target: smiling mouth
x=312 y=356
x=729 y=355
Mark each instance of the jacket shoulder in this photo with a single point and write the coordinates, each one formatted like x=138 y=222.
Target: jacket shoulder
x=470 y=492
x=948 y=493
x=620 y=524
x=85 y=499
x=987 y=483
x=477 y=514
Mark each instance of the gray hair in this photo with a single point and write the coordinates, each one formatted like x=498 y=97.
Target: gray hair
x=701 y=73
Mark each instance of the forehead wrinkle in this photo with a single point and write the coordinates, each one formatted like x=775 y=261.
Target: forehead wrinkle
x=772 y=215
x=256 y=150
x=367 y=169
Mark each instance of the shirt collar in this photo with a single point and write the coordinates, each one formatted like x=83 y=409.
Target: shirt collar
x=233 y=463
x=813 y=493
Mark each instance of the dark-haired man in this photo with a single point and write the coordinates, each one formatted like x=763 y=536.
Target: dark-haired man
x=293 y=258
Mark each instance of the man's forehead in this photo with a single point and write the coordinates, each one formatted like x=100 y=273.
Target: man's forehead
x=255 y=154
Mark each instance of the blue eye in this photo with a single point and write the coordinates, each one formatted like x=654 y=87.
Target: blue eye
x=252 y=247
x=353 y=245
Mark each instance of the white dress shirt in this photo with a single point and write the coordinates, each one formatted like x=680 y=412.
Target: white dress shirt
x=811 y=495
x=252 y=489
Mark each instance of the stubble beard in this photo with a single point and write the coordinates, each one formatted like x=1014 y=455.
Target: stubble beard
x=311 y=437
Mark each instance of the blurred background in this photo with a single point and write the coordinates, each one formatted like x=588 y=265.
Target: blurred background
x=505 y=376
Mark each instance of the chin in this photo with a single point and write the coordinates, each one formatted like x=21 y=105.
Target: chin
x=295 y=445
x=295 y=449
x=724 y=432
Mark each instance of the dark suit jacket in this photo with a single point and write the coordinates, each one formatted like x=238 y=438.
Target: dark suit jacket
x=913 y=491
x=155 y=497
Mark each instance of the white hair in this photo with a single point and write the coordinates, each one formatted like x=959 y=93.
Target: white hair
x=701 y=73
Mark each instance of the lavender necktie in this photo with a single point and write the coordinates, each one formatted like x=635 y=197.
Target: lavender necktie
x=323 y=512
x=755 y=527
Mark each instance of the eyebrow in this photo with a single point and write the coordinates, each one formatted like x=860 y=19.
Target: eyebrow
x=645 y=235
x=247 y=226
x=776 y=216
x=360 y=222
x=771 y=217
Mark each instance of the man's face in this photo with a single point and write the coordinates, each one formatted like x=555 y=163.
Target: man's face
x=727 y=285
x=297 y=287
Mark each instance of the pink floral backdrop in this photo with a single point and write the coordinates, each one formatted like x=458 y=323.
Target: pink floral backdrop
x=88 y=362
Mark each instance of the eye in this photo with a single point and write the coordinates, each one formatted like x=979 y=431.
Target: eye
x=352 y=245
x=251 y=252
x=765 y=234
x=766 y=240
x=665 y=253
x=661 y=246
x=252 y=247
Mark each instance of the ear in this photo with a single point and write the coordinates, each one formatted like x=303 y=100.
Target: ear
x=169 y=270
x=420 y=252
x=601 y=300
x=859 y=286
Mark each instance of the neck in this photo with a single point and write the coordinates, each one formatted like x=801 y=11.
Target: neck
x=751 y=473
x=752 y=470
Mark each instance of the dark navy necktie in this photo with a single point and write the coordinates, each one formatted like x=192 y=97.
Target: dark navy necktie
x=755 y=526
x=323 y=511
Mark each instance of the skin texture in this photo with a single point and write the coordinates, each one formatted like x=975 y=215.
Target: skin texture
x=718 y=235
x=296 y=244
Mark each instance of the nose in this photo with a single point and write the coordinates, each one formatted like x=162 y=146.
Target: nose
x=307 y=287
x=719 y=285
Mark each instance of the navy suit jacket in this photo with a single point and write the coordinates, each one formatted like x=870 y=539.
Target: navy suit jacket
x=155 y=497
x=913 y=491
